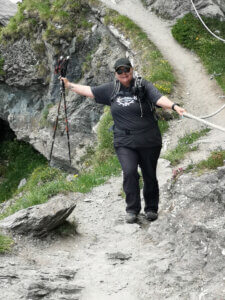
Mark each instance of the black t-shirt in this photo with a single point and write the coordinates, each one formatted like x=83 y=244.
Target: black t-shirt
x=135 y=124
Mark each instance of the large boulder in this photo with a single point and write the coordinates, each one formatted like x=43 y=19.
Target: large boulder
x=40 y=219
x=177 y=8
x=7 y=10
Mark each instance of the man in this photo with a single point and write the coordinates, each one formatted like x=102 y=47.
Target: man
x=137 y=139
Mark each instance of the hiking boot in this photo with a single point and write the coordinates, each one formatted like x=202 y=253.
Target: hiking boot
x=131 y=218
x=151 y=215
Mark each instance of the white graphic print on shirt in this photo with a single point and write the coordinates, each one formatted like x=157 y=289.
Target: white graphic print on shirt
x=126 y=101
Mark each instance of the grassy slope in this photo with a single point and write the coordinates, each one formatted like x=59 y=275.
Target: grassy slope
x=190 y=33
x=55 y=18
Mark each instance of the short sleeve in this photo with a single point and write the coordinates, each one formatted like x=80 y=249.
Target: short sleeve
x=152 y=93
x=103 y=93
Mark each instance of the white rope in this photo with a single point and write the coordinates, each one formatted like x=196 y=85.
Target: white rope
x=213 y=114
x=189 y=116
x=216 y=36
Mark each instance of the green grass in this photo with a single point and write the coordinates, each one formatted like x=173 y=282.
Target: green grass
x=59 y=19
x=18 y=160
x=184 y=146
x=1 y=66
x=190 y=33
x=153 y=66
x=163 y=126
x=215 y=160
x=46 y=182
x=5 y=244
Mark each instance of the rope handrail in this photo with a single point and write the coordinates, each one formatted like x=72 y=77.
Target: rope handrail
x=216 y=36
x=189 y=116
x=213 y=114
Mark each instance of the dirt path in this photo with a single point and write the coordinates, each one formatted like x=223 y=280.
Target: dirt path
x=199 y=95
x=109 y=259
x=107 y=256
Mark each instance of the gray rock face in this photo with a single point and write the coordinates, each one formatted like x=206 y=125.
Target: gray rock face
x=191 y=238
x=30 y=282
x=177 y=8
x=21 y=65
x=7 y=10
x=40 y=219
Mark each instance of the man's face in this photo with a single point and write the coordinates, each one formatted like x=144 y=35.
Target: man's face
x=124 y=75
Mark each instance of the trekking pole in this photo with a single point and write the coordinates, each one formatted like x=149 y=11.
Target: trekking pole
x=55 y=127
x=66 y=120
x=61 y=68
x=189 y=116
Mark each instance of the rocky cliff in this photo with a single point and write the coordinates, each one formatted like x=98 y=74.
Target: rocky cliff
x=30 y=90
x=178 y=8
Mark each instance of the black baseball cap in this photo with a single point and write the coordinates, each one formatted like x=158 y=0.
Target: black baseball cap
x=122 y=62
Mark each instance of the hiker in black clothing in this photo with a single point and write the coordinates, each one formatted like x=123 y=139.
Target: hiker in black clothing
x=137 y=139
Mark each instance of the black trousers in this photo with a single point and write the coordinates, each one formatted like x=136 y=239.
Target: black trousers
x=147 y=159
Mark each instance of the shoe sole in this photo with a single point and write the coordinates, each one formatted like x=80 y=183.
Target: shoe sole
x=151 y=219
